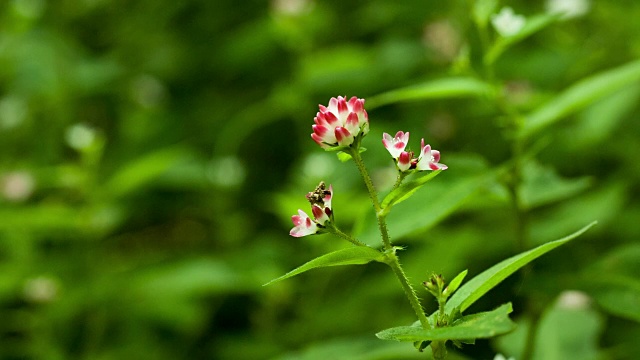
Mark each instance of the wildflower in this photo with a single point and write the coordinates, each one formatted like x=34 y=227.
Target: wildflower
x=429 y=159
x=395 y=145
x=340 y=123
x=303 y=225
x=507 y=23
x=320 y=200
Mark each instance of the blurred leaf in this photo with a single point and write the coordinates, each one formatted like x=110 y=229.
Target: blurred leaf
x=405 y=191
x=568 y=333
x=428 y=208
x=358 y=255
x=143 y=170
x=454 y=87
x=488 y=279
x=614 y=282
x=581 y=94
x=598 y=121
x=481 y=325
x=366 y=348
x=564 y=332
x=603 y=202
x=532 y=26
x=541 y=185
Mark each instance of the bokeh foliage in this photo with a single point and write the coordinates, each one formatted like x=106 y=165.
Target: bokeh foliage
x=152 y=152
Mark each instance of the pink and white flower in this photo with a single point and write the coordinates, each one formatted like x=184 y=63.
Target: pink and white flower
x=429 y=159
x=303 y=225
x=320 y=200
x=397 y=144
x=339 y=123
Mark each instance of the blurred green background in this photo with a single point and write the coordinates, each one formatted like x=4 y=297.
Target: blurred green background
x=152 y=153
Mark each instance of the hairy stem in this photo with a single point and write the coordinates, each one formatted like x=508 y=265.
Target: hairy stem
x=392 y=258
x=334 y=230
x=373 y=195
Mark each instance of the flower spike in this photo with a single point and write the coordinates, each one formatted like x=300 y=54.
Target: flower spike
x=427 y=160
x=320 y=200
x=339 y=123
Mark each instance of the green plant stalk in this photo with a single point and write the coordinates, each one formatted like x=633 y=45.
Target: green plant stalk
x=392 y=258
x=337 y=232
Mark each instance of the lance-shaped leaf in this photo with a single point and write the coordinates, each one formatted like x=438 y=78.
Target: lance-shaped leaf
x=405 y=191
x=580 y=95
x=488 y=279
x=358 y=255
x=481 y=325
x=454 y=87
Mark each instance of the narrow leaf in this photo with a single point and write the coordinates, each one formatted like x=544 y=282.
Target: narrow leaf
x=358 y=255
x=455 y=283
x=580 y=95
x=482 y=325
x=454 y=87
x=488 y=279
x=532 y=26
x=405 y=191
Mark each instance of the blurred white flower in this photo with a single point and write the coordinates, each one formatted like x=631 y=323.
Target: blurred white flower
x=574 y=300
x=507 y=23
x=41 y=290
x=80 y=136
x=17 y=186
x=568 y=8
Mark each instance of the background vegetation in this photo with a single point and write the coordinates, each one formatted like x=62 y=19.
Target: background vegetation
x=152 y=153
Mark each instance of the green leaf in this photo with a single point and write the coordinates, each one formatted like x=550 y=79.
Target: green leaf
x=455 y=283
x=614 y=282
x=488 y=279
x=143 y=170
x=344 y=156
x=564 y=331
x=482 y=325
x=358 y=255
x=454 y=87
x=532 y=26
x=580 y=95
x=405 y=191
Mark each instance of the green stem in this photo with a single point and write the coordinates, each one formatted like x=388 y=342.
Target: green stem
x=439 y=350
x=373 y=195
x=401 y=176
x=392 y=258
x=408 y=290
x=337 y=232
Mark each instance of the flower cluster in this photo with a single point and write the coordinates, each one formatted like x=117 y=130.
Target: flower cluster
x=427 y=160
x=320 y=200
x=340 y=123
